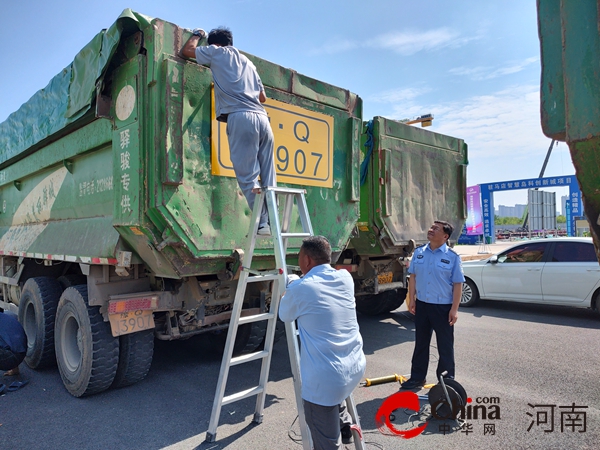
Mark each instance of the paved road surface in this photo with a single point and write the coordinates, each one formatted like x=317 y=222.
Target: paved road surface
x=519 y=354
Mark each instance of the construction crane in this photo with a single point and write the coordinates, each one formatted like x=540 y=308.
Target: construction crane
x=525 y=226
x=425 y=120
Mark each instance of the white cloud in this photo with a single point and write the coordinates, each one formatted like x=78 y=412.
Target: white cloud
x=502 y=130
x=335 y=46
x=411 y=42
x=402 y=42
x=479 y=73
x=398 y=95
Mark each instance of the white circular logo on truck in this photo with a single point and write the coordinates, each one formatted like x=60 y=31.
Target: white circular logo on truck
x=125 y=102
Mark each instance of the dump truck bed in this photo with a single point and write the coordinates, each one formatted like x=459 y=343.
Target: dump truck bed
x=132 y=157
x=570 y=87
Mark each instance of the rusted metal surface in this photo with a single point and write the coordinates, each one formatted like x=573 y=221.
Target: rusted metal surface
x=414 y=177
x=570 y=91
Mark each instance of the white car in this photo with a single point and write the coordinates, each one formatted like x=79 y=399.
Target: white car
x=553 y=271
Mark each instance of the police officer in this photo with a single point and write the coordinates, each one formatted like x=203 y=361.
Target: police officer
x=434 y=291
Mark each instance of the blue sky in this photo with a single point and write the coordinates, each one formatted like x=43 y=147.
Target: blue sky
x=474 y=65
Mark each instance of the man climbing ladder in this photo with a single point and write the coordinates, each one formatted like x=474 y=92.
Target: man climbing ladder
x=279 y=278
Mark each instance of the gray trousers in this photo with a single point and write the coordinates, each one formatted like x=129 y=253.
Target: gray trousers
x=325 y=423
x=251 y=148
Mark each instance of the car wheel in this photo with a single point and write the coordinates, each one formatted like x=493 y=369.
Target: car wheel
x=470 y=294
x=596 y=302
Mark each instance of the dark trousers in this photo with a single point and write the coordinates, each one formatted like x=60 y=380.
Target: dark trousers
x=325 y=423
x=429 y=318
x=9 y=359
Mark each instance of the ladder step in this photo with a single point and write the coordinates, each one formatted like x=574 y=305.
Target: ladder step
x=295 y=235
x=242 y=395
x=249 y=357
x=279 y=240
x=285 y=190
x=255 y=318
x=257 y=278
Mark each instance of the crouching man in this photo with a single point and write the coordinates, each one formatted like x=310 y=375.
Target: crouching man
x=13 y=343
x=332 y=361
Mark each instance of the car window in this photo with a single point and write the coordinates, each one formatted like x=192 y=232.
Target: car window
x=574 y=252
x=531 y=252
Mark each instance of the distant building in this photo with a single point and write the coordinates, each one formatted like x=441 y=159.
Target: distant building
x=511 y=211
x=563 y=205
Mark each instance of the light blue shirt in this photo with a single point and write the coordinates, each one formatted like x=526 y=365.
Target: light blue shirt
x=437 y=271
x=237 y=84
x=332 y=361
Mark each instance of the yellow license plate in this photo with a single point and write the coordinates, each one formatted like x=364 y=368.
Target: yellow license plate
x=385 y=278
x=130 y=322
x=303 y=145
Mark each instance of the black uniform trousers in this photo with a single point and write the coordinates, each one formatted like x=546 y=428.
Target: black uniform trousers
x=431 y=317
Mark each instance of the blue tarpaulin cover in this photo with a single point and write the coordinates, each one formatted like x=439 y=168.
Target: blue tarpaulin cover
x=67 y=97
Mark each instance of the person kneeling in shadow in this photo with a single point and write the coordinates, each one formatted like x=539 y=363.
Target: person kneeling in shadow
x=13 y=343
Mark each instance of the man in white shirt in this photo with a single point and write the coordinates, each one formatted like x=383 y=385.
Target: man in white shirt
x=332 y=361
x=239 y=94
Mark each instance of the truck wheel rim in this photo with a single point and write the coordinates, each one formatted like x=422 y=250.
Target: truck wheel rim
x=29 y=324
x=71 y=343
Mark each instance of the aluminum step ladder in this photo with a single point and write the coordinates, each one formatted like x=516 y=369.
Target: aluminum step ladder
x=280 y=235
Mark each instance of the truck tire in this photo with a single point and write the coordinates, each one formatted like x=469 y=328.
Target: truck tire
x=37 y=311
x=395 y=300
x=86 y=352
x=369 y=305
x=279 y=333
x=72 y=280
x=279 y=330
x=250 y=337
x=135 y=358
x=384 y=302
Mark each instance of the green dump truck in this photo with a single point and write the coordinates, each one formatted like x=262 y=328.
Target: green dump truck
x=121 y=221
x=570 y=92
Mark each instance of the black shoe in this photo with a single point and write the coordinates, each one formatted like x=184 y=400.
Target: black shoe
x=346 y=435
x=412 y=384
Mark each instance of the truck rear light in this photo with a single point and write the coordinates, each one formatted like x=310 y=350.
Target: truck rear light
x=132 y=304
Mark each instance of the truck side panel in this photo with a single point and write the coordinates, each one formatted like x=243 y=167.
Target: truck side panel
x=570 y=88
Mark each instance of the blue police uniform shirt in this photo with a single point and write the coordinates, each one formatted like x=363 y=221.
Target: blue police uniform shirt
x=436 y=271
x=332 y=361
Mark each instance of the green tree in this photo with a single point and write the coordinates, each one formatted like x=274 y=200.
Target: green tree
x=561 y=219
x=507 y=220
